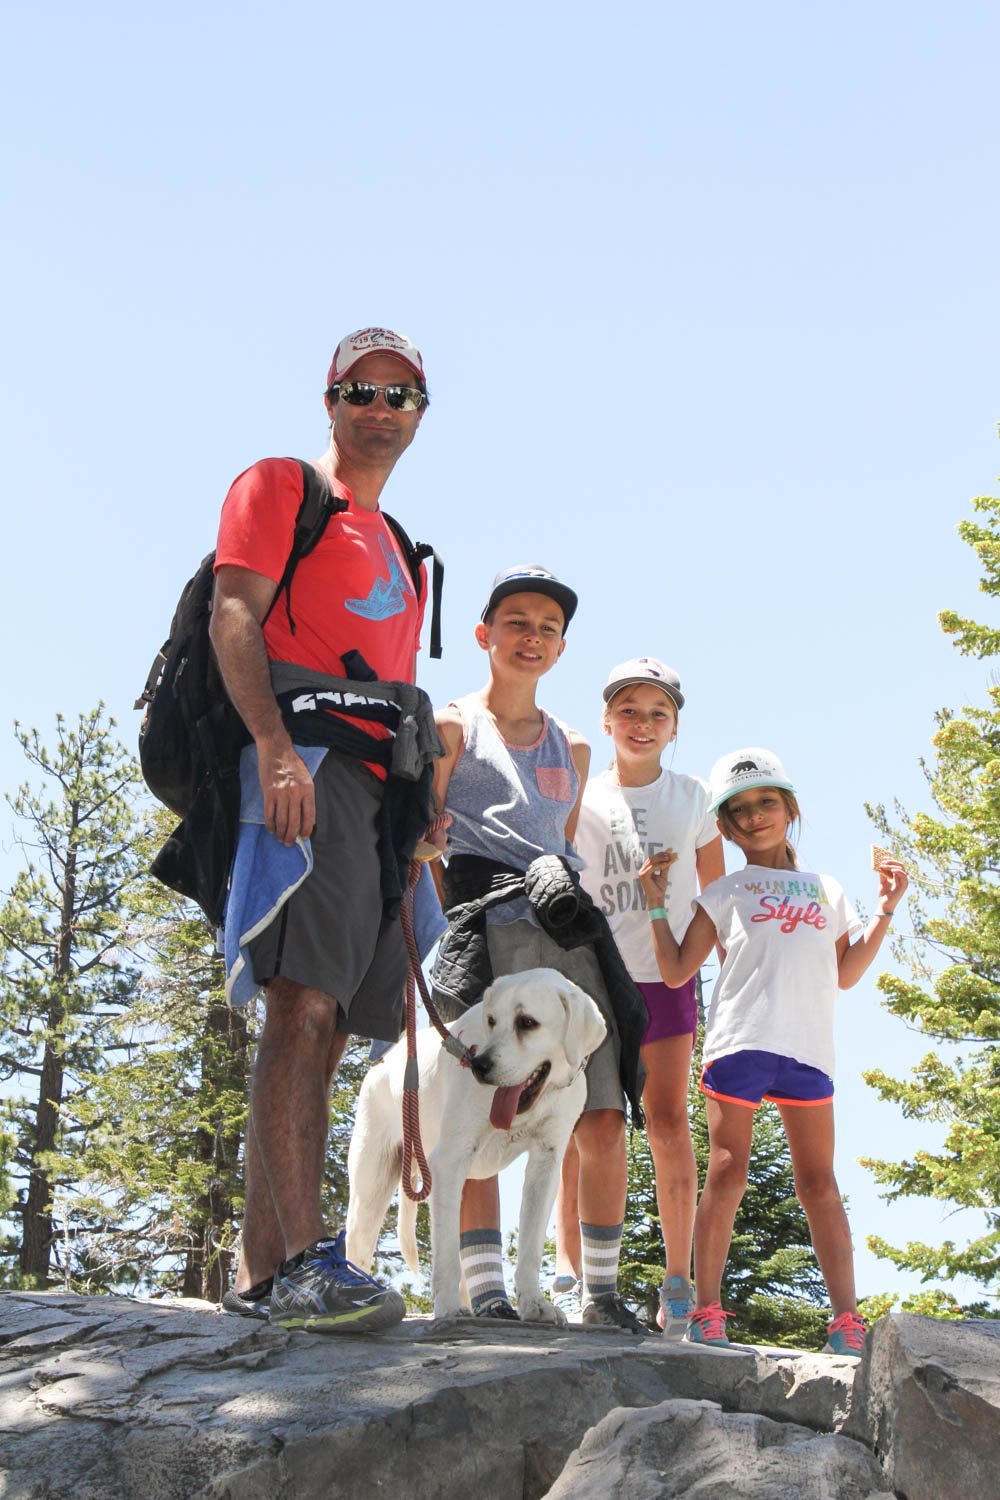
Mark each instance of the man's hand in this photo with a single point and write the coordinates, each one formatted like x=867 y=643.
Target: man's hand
x=289 y=796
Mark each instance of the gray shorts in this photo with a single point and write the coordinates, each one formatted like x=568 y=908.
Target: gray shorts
x=520 y=945
x=330 y=934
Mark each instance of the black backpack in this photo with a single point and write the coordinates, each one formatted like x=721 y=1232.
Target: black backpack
x=191 y=735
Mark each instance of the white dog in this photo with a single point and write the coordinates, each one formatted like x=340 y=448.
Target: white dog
x=525 y=1091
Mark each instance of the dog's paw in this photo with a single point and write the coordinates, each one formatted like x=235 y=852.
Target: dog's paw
x=445 y=1308
x=540 y=1310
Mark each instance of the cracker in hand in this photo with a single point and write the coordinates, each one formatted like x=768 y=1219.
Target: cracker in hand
x=879 y=856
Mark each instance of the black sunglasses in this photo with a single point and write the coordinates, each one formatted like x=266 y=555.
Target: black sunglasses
x=363 y=393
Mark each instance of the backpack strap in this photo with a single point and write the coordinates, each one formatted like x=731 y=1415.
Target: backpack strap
x=319 y=503
x=415 y=553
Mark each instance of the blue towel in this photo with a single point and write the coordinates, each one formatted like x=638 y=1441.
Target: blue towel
x=265 y=873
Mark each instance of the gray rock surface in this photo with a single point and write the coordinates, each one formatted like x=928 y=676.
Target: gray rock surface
x=927 y=1400
x=117 y=1399
x=693 y=1448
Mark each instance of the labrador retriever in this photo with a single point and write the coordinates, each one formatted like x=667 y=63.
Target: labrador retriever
x=524 y=1091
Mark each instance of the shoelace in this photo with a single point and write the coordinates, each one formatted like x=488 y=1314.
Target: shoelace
x=711 y=1319
x=332 y=1256
x=852 y=1328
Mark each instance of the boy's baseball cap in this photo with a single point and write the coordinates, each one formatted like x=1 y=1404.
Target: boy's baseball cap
x=644 y=669
x=532 y=578
x=742 y=769
x=374 y=341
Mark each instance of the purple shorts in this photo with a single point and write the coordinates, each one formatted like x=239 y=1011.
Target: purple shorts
x=748 y=1077
x=671 y=1012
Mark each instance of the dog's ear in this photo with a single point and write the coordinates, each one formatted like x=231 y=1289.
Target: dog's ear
x=585 y=1026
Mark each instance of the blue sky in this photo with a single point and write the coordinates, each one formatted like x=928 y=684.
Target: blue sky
x=708 y=302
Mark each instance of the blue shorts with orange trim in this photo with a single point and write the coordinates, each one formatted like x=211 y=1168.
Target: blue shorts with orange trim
x=750 y=1077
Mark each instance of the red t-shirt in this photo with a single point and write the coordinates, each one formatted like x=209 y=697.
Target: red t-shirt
x=353 y=591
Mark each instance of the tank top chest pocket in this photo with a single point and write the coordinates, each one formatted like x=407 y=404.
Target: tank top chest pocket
x=554 y=783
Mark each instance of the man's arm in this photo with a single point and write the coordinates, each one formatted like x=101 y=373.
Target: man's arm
x=240 y=603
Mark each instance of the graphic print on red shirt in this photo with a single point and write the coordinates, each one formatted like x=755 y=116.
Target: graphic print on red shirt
x=353 y=592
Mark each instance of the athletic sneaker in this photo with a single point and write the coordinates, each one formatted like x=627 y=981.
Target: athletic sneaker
x=498 y=1307
x=565 y=1293
x=707 y=1325
x=607 y=1310
x=253 y=1303
x=846 y=1335
x=320 y=1289
x=676 y=1306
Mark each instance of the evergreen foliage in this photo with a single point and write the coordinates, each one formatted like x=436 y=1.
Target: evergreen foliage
x=64 y=978
x=158 y=1192
x=952 y=994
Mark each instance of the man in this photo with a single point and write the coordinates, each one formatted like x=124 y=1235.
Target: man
x=331 y=960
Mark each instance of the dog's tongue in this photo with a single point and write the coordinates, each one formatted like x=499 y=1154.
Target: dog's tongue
x=504 y=1106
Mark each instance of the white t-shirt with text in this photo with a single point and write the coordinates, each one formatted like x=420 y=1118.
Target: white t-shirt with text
x=778 y=985
x=619 y=826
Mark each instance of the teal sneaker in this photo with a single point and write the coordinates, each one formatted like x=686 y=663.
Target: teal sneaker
x=707 y=1325
x=565 y=1294
x=846 y=1336
x=676 y=1306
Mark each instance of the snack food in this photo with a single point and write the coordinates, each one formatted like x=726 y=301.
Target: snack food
x=426 y=851
x=879 y=856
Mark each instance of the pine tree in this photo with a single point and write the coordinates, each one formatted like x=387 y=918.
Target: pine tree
x=63 y=976
x=953 y=994
x=158 y=1192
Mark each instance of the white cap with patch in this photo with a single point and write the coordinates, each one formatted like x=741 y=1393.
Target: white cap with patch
x=374 y=341
x=742 y=769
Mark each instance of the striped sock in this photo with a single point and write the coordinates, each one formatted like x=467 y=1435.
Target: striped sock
x=482 y=1264
x=601 y=1247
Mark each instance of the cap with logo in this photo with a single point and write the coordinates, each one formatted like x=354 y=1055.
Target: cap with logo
x=742 y=769
x=642 y=669
x=532 y=578
x=374 y=341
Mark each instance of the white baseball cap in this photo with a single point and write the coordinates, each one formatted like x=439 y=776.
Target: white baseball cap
x=741 y=769
x=374 y=341
x=644 y=669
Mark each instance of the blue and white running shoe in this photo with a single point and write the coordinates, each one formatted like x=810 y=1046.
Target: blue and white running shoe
x=319 y=1289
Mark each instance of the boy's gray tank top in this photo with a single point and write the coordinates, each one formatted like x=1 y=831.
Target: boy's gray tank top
x=510 y=802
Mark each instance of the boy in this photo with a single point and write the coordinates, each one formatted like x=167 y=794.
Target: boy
x=511 y=781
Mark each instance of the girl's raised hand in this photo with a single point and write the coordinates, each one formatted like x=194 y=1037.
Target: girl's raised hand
x=654 y=875
x=892 y=883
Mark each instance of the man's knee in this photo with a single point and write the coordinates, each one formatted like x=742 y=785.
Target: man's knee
x=297 y=1010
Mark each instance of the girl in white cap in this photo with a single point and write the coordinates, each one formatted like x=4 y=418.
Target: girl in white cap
x=769 y=1035
x=634 y=809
